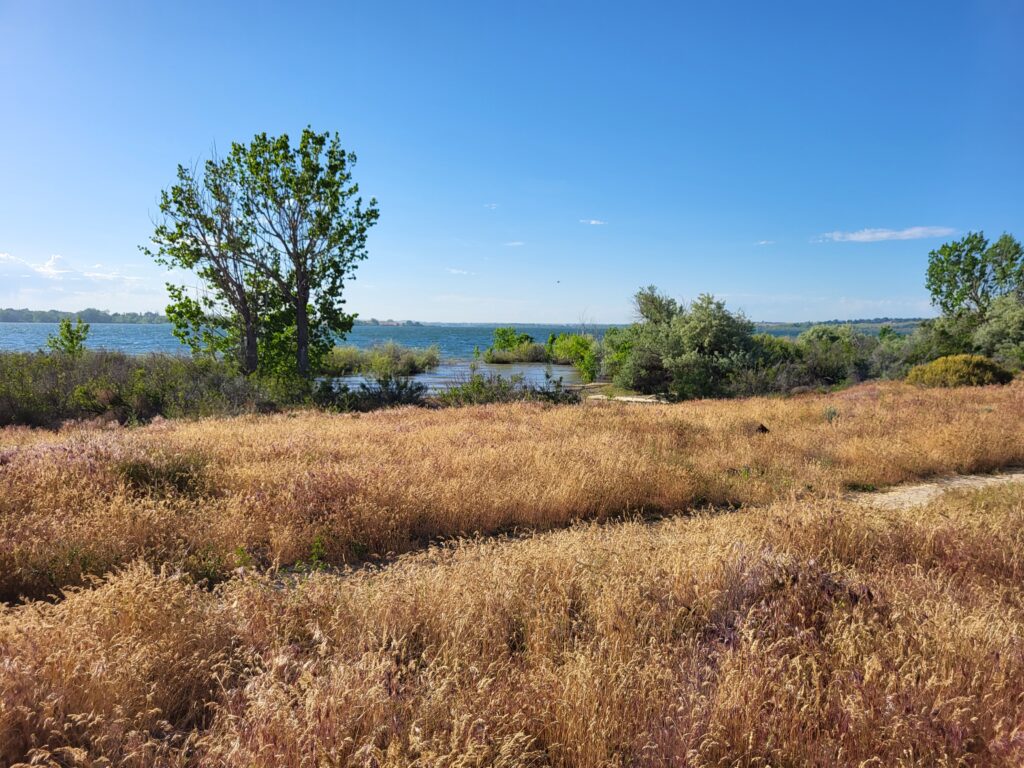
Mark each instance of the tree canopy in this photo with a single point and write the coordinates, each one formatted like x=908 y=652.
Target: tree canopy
x=966 y=275
x=273 y=231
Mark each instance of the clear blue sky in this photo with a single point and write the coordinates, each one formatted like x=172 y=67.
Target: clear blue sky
x=533 y=161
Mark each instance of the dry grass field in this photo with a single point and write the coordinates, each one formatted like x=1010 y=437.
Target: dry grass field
x=212 y=495
x=773 y=624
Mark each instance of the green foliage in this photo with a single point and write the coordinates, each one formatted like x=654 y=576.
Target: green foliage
x=1001 y=335
x=510 y=346
x=69 y=339
x=273 y=232
x=965 y=276
x=527 y=352
x=576 y=349
x=959 y=371
x=41 y=389
x=383 y=392
x=686 y=351
x=480 y=389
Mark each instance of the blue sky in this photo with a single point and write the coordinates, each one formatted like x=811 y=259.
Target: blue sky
x=533 y=161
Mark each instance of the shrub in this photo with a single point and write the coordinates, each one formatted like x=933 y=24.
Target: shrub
x=383 y=392
x=69 y=339
x=388 y=359
x=41 y=389
x=527 y=352
x=480 y=389
x=508 y=338
x=576 y=349
x=959 y=371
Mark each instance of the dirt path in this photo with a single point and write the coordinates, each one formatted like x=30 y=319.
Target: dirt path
x=907 y=496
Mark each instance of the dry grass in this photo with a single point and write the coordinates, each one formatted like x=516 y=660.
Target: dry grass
x=807 y=633
x=211 y=495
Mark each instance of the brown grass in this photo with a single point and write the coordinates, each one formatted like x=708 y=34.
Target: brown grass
x=211 y=495
x=807 y=633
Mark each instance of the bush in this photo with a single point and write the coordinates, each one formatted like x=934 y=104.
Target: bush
x=576 y=349
x=388 y=359
x=479 y=389
x=383 y=392
x=959 y=371
x=43 y=389
x=527 y=352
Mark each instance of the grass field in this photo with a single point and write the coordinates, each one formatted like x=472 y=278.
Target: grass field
x=776 y=623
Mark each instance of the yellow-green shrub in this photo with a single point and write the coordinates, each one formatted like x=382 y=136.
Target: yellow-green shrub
x=959 y=371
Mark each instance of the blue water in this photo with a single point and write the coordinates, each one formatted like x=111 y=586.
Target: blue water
x=456 y=342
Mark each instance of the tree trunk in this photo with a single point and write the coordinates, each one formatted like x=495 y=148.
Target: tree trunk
x=302 y=329
x=251 y=361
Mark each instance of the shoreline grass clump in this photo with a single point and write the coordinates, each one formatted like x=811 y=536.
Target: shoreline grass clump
x=387 y=359
x=810 y=632
x=345 y=488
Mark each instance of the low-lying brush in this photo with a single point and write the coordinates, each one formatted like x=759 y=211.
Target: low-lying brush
x=480 y=389
x=43 y=389
x=808 y=633
x=959 y=371
x=388 y=359
x=214 y=494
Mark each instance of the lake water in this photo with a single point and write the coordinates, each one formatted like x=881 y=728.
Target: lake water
x=456 y=342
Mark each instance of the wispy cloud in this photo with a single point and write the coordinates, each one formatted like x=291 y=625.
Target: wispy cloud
x=490 y=206
x=54 y=269
x=593 y=222
x=766 y=242
x=454 y=271
x=515 y=244
x=879 y=235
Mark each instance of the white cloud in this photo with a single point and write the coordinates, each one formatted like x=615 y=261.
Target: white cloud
x=454 y=271
x=49 y=269
x=879 y=235
x=490 y=206
x=515 y=243
x=766 y=242
x=593 y=222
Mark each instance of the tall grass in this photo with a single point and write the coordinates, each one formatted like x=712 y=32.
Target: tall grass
x=387 y=359
x=807 y=633
x=212 y=495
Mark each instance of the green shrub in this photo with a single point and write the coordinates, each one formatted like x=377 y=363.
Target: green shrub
x=527 y=352
x=388 y=359
x=959 y=371
x=480 y=389
x=576 y=349
x=383 y=392
x=508 y=338
x=42 y=389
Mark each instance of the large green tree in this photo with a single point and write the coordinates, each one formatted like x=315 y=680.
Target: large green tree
x=966 y=275
x=308 y=226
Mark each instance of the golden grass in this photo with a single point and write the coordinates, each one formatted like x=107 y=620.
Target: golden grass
x=211 y=495
x=806 y=633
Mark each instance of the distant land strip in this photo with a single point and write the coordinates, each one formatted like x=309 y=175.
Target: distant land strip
x=901 y=325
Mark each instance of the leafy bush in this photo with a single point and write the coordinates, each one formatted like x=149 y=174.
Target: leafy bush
x=1001 y=335
x=41 y=389
x=69 y=339
x=959 y=371
x=527 y=352
x=576 y=349
x=480 y=389
x=388 y=359
x=383 y=392
x=508 y=338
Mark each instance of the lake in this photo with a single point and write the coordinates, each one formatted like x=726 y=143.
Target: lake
x=456 y=342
